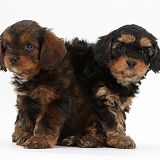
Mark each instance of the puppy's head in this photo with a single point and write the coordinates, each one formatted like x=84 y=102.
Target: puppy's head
x=26 y=47
x=129 y=52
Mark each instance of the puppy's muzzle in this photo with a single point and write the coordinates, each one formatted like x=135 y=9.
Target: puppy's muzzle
x=131 y=63
x=13 y=59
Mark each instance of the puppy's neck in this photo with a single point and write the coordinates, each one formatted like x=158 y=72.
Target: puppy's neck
x=129 y=85
x=20 y=80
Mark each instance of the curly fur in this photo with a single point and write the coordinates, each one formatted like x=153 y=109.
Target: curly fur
x=51 y=104
x=112 y=70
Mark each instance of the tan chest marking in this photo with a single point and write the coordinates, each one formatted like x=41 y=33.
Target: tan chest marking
x=112 y=99
x=46 y=94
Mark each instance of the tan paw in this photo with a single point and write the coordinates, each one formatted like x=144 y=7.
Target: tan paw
x=122 y=142
x=15 y=136
x=90 y=141
x=69 y=141
x=20 y=138
x=39 y=142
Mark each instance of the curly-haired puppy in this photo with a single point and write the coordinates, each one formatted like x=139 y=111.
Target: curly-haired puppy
x=50 y=103
x=112 y=70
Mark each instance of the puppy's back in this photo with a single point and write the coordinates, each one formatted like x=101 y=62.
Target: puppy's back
x=80 y=52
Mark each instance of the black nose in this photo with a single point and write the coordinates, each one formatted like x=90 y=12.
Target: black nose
x=131 y=63
x=13 y=59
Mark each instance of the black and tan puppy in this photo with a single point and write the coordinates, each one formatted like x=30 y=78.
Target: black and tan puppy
x=112 y=70
x=51 y=105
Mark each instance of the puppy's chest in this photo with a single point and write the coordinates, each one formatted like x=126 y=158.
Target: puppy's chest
x=44 y=93
x=113 y=100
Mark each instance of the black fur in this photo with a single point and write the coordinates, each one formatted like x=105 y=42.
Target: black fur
x=91 y=66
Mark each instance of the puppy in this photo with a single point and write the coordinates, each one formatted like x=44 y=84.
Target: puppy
x=2 y=67
x=51 y=104
x=112 y=70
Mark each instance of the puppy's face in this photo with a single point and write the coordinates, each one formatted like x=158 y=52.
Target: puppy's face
x=131 y=50
x=22 y=47
x=130 y=57
x=28 y=47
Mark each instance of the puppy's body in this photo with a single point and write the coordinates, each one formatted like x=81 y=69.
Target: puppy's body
x=51 y=104
x=112 y=70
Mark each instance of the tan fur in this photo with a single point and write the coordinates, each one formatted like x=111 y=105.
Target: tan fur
x=116 y=137
x=112 y=98
x=44 y=93
x=145 y=42
x=24 y=68
x=126 y=75
x=127 y=38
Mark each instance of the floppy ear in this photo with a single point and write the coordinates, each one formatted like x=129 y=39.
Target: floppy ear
x=103 y=47
x=155 y=62
x=52 y=51
x=2 y=66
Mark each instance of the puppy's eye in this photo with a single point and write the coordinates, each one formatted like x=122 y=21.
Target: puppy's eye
x=143 y=51
x=147 y=51
x=28 y=47
x=9 y=46
x=122 y=48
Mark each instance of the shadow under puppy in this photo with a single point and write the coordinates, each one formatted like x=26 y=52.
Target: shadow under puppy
x=112 y=70
x=51 y=105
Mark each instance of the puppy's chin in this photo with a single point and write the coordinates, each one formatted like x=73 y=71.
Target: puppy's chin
x=127 y=77
x=24 y=68
x=25 y=75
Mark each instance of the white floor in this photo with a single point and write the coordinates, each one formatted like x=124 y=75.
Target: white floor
x=142 y=125
x=86 y=19
x=10 y=151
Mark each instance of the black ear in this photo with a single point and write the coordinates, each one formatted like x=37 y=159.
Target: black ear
x=52 y=51
x=102 y=48
x=155 y=62
x=2 y=66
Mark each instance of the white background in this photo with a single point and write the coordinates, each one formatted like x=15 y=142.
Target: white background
x=87 y=19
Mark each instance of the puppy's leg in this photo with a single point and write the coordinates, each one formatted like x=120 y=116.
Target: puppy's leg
x=115 y=131
x=20 y=134
x=47 y=128
x=117 y=138
x=111 y=111
x=93 y=136
x=68 y=141
x=24 y=124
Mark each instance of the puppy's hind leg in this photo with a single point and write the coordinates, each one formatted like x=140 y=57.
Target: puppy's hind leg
x=94 y=137
x=91 y=137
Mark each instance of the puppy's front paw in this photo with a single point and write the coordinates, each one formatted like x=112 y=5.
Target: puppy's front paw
x=122 y=142
x=39 y=142
x=16 y=136
x=126 y=143
x=20 y=137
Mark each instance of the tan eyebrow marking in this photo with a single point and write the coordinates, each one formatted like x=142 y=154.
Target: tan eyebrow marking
x=127 y=38
x=145 y=42
x=7 y=37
